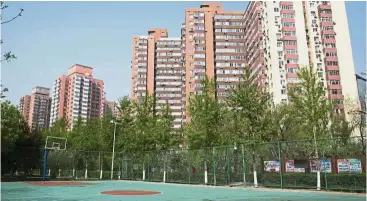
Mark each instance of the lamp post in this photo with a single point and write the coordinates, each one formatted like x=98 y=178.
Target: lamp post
x=113 y=146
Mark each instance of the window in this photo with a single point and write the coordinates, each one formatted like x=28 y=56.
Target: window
x=288 y=24
x=283 y=91
x=289 y=33
x=280 y=53
x=287 y=15
x=290 y=42
x=292 y=70
x=330 y=45
x=336 y=91
x=291 y=51
x=292 y=61
x=279 y=44
x=276 y=9
x=312 y=5
x=320 y=74
x=332 y=72
x=287 y=7
x=334 y=82
x=331 y=54
x=332 y=63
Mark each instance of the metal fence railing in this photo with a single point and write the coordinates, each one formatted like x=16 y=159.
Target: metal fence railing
x=280 y=164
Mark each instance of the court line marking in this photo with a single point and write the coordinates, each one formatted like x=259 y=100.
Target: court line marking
x=251 y=188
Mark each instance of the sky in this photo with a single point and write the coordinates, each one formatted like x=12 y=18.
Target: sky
x=52 y=36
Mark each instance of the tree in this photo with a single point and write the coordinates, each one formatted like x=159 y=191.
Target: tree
x=252 y=106
x=311 y=104
x=17 y=139
x=206 y=115
x=287 y=125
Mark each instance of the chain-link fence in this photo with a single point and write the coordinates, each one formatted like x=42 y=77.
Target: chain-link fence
x=281 y=164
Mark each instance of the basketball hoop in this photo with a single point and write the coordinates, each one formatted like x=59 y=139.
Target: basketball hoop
x=52 y=143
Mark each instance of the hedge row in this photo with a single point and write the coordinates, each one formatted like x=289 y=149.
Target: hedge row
x=356 y=181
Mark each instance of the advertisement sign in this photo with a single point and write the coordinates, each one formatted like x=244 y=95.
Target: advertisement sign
x=289 y=166
x=325 y=165
x=271 y=166
x=349 y=165
x=355 y=165
x=343 y=165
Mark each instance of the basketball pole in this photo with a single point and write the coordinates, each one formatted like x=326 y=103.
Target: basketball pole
x=45 y=165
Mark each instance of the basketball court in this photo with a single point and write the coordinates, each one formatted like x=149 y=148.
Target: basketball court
x=144 y=191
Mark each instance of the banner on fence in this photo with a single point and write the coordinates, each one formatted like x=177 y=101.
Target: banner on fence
x=325 y=165
x=271 y=166
x=349 y=165
x=290 y=167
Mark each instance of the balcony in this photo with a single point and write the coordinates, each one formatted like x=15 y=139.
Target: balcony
x=336 y=96
x=289 y=29
x=331 y=58
x=325 y=24
x=292 y=75
x=289 y=38
x=290 y=47
x=325 y=15
x=287 y=3
x=324 y=7
x=291 y=65
x=333 y=77
x=332 y=68
x=328 y=32
x=291 y=56
x=332 y=49
x=334 y=87
x=288 y=20
x=331 y=40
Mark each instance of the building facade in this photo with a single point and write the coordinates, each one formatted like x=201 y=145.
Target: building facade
x=110 y=108
x=291 y=35
x=35 y=108
x=77 y=94
x=274 y=39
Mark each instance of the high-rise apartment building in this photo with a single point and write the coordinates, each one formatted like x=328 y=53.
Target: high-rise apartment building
x=273 y=38
x=157 y=70
x=77 y=94
x=214 y=47
x=24 y=106
x=283 y=36
x=35 y=108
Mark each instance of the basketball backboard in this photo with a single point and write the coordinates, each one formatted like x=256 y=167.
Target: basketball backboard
x=57 y=143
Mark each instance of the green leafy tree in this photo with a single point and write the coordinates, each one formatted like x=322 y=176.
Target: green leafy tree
x=311 y=103
x=17 y=139
x=252 y=107
x=206 y=115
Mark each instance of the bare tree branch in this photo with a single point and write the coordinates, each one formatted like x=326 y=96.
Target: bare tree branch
x=8 y=56
x=15 y=17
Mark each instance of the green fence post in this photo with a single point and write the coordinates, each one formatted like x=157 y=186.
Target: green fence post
x=243 y=164
x=214 y=178
x=189 y=169
x=280 y=165
x=228 y=166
